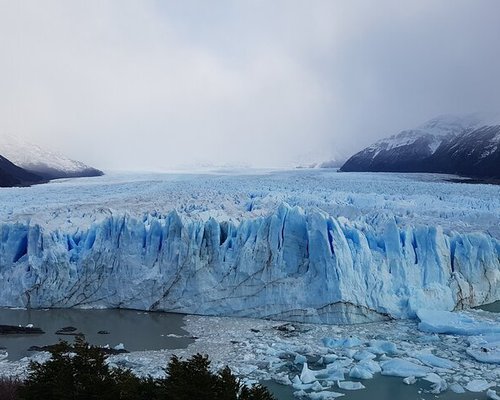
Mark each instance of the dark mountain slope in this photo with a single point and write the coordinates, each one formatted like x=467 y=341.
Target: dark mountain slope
x=475 y=153
x=12 y=175
x=447 y=146
x=45 y=163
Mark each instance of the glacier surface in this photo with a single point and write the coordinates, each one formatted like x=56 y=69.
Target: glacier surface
x=308 y=246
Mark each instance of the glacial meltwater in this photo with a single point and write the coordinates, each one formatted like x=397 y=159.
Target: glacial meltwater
x=383 y=388
x=492 y=307
x=136 y=330
x=256 y=350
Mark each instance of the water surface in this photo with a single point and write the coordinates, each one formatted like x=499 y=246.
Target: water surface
x=492 y=307
x=382 y=388
x=137 y=330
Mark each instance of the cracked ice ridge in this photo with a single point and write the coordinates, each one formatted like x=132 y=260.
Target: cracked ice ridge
x=295 y=264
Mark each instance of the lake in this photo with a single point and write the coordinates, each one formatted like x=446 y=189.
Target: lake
x=137 y=330
x=492 y=307
x=388 y=387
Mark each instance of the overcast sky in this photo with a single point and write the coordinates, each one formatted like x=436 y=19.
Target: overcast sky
x=161 y=84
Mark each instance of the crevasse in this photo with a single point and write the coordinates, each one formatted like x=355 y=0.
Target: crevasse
x=291 y=265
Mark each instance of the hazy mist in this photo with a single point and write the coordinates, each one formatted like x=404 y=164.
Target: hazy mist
x=162 y=84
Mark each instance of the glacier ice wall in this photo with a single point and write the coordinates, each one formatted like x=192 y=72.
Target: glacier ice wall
x=292 y=265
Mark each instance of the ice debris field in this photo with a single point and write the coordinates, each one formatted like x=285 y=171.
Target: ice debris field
x=441 y=352
x=307 y=246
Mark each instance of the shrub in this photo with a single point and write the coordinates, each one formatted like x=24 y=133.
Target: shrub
x=77 y=372
x=80 y=372
x=192 y=379
x=9 y=388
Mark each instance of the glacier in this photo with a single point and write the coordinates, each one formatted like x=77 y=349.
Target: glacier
x=294 y=263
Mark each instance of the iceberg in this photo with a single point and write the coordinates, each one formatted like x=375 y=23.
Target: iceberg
x=404 y=369
x=434 y=361
x=293 y=264
x=479 y=385
x=455 y=323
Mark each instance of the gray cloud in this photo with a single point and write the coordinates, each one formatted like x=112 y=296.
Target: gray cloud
x=154 y=85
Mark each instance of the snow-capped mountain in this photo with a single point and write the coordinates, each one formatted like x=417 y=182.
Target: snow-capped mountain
x=457 y=145
x=12 y=175
x=475 y=153
x=42 y=162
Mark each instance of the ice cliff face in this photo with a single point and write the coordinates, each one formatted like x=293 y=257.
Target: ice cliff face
x=292 y=265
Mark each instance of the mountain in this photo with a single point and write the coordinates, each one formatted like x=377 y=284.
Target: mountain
x=42 y=162
x=12 y=175
x=466 y=146
x=474 y=153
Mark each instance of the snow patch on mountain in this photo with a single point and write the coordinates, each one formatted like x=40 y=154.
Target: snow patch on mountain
x=39 y=160
x=434 y=131
x=464 y=145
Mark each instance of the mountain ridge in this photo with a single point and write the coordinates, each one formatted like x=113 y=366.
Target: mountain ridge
x=462 y=146
x=45 y=163
x=12 y=175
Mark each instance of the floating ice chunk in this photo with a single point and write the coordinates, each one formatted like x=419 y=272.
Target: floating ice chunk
x=341 y=363
x=457 y=388
x=404 y=368
x=485 y=348
x=335 y=374
x=382 y=347
x=29 y=326
x=299 y=359
x=485 y=355
x=434 y=361
x=350 y=352
x=453 y=323
x=492 y=340
x=342 y=343
x=317 y=387
x=334 y=371
x=119 y=346
x=429 y=339
x=371 y=365
x=307 y=376
x=491 y=394
x=326 y=395
x=282 y=379
x=329 y=358
x=363 y=355
x=410 y=380
x=364 y=370
x=438 y=384
x=360 y=372
x=349 y=385
x=478 y=385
